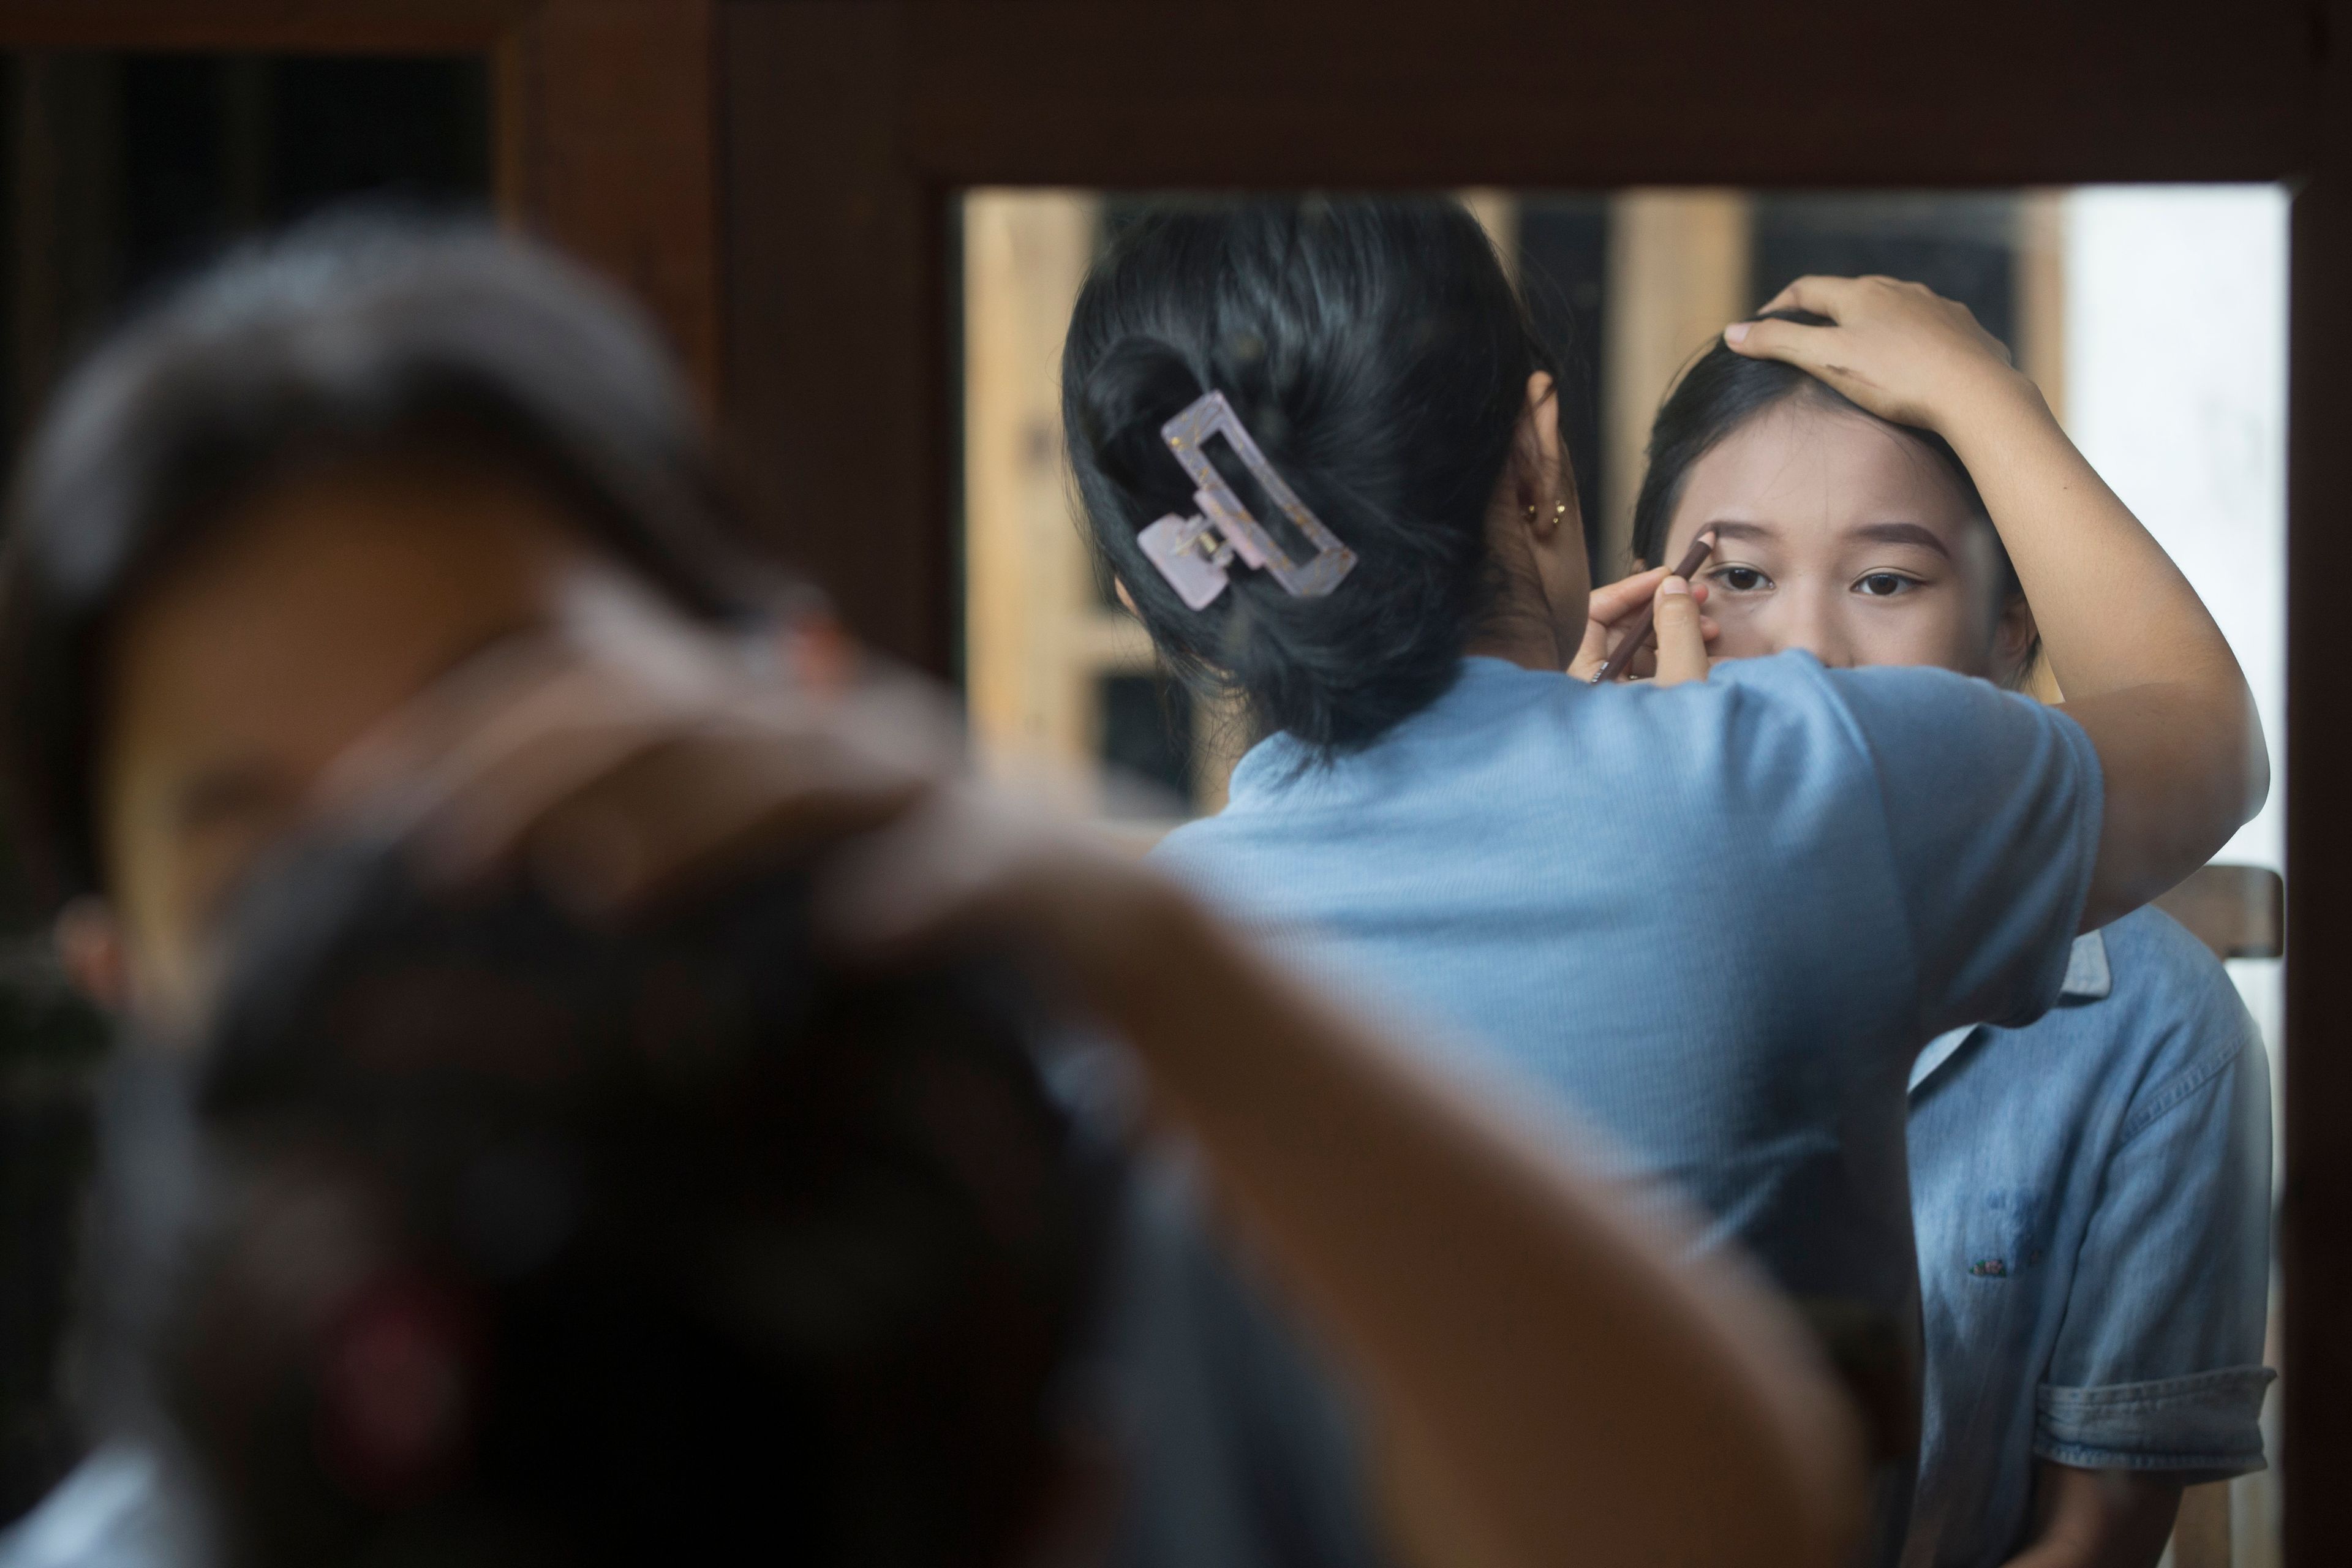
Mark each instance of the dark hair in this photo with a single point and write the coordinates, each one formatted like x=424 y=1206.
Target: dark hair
x=1722 y=390
x=1379 y=355
x=520 y=1242
x=354 y=335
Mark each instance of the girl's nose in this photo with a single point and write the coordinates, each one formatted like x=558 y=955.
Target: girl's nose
x=1814 y=625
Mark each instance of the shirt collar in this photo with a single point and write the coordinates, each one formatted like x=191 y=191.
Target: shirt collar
x=2088 y=979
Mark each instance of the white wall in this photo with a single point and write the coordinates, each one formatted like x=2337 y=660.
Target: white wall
x=2175 y=390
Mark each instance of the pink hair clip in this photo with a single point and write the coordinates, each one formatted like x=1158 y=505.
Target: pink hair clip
x=1194 y=553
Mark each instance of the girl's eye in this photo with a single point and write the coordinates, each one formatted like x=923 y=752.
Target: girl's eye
x=1741 y=579
x=1885 y=585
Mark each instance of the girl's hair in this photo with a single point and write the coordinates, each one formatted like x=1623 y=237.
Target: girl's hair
x=355 y=334
x=1720 y=393
x=1379 y=356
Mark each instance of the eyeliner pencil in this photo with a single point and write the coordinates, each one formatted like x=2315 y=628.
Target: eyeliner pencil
x=1638 y=632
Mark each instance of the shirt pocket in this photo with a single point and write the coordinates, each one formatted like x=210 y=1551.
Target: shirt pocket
x=2006 y=1236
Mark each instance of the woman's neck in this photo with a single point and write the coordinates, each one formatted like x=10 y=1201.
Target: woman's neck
x=1518 y=632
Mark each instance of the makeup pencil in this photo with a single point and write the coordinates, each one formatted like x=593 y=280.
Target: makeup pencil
x=1639 y=634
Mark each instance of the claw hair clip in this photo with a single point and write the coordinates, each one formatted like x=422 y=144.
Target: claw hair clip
x=1196 y=553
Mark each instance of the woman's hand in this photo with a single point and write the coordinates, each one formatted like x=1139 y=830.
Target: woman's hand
x=1682 y=633
x=1899 y=350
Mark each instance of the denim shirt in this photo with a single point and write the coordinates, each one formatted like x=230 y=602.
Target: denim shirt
x=2092 y=1197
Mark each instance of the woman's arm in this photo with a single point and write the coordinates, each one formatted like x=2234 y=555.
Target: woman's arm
x=2144 y=671
x=1563 y=1384
x=1567 y=1388
x=2099 y=1518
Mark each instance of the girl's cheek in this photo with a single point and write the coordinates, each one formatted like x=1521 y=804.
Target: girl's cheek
x=1926 y=633
x=1746 y=630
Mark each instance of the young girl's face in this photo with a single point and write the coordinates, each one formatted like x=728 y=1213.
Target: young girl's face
x=1837 y=533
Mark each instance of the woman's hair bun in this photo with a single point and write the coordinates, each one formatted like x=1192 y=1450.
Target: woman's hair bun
x=1137 y=386
x=1379 y=356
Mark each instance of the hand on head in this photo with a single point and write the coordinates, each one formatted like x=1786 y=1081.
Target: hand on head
x=1898 y=349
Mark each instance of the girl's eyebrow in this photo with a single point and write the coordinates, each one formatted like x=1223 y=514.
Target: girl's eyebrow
x=1723 y=530
x=1903 y=533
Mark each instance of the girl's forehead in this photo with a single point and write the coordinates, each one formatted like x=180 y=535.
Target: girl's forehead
x=1807 y=467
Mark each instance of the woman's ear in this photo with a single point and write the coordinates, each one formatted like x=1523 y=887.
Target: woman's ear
x=1541 y=485
x=91 y=949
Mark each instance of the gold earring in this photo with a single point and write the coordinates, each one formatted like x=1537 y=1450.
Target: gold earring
x=1560 y=512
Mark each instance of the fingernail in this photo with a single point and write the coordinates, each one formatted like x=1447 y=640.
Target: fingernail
x=1735 y=333
x=1676 y=585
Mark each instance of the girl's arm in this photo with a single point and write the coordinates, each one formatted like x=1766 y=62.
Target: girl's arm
x=2144 y=668
x=2099 y=1518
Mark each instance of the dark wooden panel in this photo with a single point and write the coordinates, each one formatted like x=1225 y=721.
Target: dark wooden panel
x=1415 y=93
x=608 y=144
x=607 y=119
x=2316 y=1387
x=423 y=26
x=836 y=389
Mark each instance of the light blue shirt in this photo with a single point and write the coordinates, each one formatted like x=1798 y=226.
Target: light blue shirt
x=1718 y=920
x=2093 y=1200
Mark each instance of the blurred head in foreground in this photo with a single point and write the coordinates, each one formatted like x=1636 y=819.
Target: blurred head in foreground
x=521 y=1242
x=292 y=495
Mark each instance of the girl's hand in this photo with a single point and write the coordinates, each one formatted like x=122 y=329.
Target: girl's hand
x=1680 y=652
x=1899 y=350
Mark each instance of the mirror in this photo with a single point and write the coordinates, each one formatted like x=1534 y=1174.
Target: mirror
x=2153 y=318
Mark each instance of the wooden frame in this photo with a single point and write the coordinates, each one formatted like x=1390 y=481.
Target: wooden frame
x=913 y=99
x=829 y=133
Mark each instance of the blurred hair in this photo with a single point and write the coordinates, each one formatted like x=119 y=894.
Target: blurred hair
x=353 y=335
x=1379 y=356
x=1720 y=393
x=521 y=1242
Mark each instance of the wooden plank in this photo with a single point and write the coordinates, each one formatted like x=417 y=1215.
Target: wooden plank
x=1388 y=92
x=1677 y=274
x=394 y=26
x=838 y=369
x=2041 y=283
x=1029 y=611
x=608 y=144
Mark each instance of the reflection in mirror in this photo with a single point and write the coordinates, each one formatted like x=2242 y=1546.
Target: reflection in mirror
x=2152 y=319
